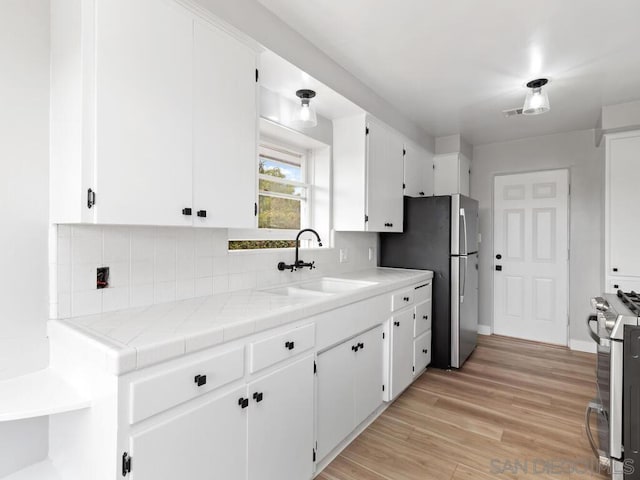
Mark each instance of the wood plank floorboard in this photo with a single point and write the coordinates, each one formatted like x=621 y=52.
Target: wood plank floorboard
x=514 y=411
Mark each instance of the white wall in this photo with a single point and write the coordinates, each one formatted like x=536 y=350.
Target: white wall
x=576 y=151
x=24 y=137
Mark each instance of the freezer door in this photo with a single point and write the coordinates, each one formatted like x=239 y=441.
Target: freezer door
x=464 y=308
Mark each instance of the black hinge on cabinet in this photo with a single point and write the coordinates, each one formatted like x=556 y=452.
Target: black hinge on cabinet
x=91 y=198
x=126 y=464
x=257 y=75
x=314 y=454
x=413 y=369
x=315 y=368
x=383 y=388
x=366 y=218
x=404 y=151
x=383 y=335
x=255 y=209
x=366 y=131
x=404 y=185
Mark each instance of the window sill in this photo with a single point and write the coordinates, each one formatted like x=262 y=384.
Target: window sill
x=257 y=251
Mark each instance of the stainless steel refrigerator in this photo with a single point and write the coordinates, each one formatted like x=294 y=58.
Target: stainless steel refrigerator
x=441 y=234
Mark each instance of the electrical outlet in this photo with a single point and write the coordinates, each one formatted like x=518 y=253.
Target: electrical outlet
x=344 y=255
x=371 y=254
x=102 y=278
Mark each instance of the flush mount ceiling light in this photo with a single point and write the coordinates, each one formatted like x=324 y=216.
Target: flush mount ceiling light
x=537 y=100
x=306 y=115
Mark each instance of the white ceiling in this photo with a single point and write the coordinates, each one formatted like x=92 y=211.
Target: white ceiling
x=453 y=66
x=285 y=79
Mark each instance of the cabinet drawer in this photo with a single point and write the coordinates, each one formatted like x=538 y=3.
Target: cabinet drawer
x=422 y=292
x=268 y=352
x=423 y=318
x=160 y=392
x=421 y=352
x=402 y=299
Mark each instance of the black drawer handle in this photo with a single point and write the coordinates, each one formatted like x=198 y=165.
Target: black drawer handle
x=202 y=213
x=421 y=194
x=290 y=345
x=200 y=380
x=426 y=317
x=425 y=351
x=243 y=402
x=397 y=324
x=406 y=299
x=257 y=397
x=361 y=346
x=186 y=212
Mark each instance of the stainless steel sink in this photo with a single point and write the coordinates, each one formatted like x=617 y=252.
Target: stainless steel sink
x=321 y=287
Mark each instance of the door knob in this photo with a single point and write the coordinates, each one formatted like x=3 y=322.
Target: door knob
x=499 y=257
x=200 y=380
x=499 y=268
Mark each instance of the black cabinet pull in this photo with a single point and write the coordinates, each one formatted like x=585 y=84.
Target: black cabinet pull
x=406 y=299
x=499 y=257
x=421 y=194
x=499 y=268
x=202 y=213
x=426 y=317
x=397 y=324
x=615 y=269
x=200 y=380
x=290 y=345
x=257 y=397
x=355 y=348
x=425 y=351
x=186 y=212
x=361 y=346
x=243 y=402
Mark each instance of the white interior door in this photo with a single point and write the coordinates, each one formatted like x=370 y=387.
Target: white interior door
x=531 y=255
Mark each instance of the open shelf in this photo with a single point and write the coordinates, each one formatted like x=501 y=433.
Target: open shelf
x=38 y=394
x=40 y=471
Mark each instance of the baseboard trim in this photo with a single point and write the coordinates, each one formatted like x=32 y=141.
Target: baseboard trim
x=582 y=346
x=485 y=330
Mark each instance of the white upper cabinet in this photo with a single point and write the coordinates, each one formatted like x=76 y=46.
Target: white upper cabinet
x=368 y=175
x=225 y=130
x=452 y=174
x=153 y=117
x=418 y=171
x=622 y=200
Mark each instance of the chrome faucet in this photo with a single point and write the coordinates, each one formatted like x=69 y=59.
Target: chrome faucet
x=300 y=263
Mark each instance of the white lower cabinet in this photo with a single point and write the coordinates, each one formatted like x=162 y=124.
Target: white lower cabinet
x=209 y=441
x=281 y=424
x=402 y=354
x=349 y=387
x=421 y=352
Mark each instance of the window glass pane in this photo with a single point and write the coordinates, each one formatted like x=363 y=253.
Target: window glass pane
x=280 y=169
x=279 y=213
x=267 y=186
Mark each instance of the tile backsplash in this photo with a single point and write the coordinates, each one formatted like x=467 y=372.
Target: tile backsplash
x=150 y=265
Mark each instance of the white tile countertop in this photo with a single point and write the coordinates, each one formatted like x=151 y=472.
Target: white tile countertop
x=136 y=338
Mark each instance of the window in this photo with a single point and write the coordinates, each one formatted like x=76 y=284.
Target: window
x=283 y=191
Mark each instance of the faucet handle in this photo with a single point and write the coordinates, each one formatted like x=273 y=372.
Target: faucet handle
x=312 y=265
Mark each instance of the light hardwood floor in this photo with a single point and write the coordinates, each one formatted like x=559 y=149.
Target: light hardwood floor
x=515 y=410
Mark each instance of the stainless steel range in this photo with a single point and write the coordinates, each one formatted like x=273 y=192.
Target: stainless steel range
x=616 y=330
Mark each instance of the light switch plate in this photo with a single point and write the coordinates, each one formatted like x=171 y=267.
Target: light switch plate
x=344 y=255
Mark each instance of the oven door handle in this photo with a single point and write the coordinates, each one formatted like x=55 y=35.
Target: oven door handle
x=602 y=457
x=594 y=335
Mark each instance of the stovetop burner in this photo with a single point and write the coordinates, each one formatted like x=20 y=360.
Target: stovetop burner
x=631 y=300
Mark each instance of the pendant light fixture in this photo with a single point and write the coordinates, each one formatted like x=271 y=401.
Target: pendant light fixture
x=537 y=100
x=306 y=116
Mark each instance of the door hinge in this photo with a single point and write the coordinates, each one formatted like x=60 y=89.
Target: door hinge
x=383 y=335
x=413 y=369
x=91 y=198
x=257 y=75
x=126 y=464
x=366 y=218
x=315 y=367
x=255 y=209
x=366 y=131
x=314 y=454
x=383 y=388
x=404 y=185
x=404 y=151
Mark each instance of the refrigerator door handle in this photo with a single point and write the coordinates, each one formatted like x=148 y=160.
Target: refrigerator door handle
x=464 y=280
x=464 y=227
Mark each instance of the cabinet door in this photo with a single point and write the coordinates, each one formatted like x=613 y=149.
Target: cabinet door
x=401 y=352
x=421 y=352
x=206 y=442
x=624 y=197
x=143 y=112
x=418 y=171
x=384 y=179
x=225 y=126
x=281 y=424
x=368 y=374
x=446 y=174
x=335 y=397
